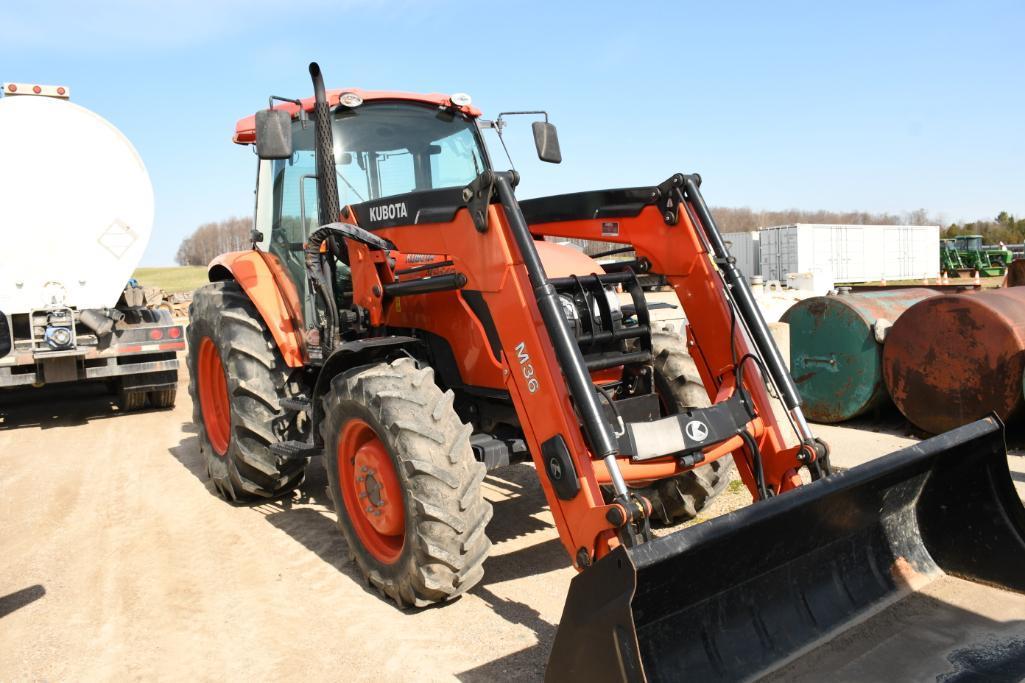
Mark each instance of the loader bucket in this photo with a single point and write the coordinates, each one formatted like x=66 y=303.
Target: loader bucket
x=909 y=564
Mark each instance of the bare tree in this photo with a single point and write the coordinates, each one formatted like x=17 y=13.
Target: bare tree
x=211 y=239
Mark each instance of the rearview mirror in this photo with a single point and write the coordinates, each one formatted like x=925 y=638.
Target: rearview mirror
x=546 y=139
x=273 y=134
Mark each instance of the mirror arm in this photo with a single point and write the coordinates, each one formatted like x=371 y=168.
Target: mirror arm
x=500 y=124
x=303 y=118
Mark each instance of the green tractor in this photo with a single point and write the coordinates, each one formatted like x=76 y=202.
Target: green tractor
x=967 y=254
x=950 y=258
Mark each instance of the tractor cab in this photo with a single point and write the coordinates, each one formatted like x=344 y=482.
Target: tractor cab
x=385 y=145
x=969 y=242
x=397 y=158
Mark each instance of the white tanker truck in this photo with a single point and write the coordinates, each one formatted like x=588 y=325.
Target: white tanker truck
x=76 y=210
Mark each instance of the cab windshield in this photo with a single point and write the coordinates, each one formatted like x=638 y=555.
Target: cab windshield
x=385 y=149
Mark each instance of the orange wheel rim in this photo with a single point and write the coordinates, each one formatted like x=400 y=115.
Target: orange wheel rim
x=213 y=396
x=371 y=491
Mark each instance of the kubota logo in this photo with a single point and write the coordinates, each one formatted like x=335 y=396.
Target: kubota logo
x=387 y=212
x=697 y=430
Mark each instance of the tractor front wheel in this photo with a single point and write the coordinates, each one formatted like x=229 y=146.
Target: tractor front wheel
x=405 y=484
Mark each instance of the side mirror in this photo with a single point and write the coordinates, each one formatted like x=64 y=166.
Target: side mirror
x=273 y=134
x=546 y=140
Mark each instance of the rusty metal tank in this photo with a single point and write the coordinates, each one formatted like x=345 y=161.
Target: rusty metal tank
x=955 y=358
x=836 y=349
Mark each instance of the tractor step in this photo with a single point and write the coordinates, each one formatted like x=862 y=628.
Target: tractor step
x=286 y=451
x=299 y=403
x=494 y=453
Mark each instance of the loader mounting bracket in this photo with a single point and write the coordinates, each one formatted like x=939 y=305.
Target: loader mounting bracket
x=670 y=196
x=480 y=193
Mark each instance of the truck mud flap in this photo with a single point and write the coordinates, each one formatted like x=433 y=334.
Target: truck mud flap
x=792 y=578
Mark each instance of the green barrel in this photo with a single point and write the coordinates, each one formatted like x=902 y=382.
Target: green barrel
x=835 y=357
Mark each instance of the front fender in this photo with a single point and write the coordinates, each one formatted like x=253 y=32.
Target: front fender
x=272 y=292
x=352 y=354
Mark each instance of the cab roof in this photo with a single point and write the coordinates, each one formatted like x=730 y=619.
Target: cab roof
x=245 y=129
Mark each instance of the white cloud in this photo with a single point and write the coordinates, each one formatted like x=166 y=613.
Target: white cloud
x=111 y=26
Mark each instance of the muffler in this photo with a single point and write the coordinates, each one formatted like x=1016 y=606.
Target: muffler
x=772 y=587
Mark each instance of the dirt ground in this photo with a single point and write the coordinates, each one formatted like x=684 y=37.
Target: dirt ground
x=117 y=561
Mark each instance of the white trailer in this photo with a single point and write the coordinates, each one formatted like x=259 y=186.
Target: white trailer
x=76 y=217
x=745 y=248
x=851 y=253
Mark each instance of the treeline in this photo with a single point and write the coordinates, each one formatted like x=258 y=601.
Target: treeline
x=233 y=234
x=741 y=220
x=212 y=239
x=1004 y=228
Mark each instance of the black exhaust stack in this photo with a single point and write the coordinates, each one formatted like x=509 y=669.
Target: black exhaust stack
x=327 y=183
x=322 y=271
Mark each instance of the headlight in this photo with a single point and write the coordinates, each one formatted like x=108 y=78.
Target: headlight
x=350 y=99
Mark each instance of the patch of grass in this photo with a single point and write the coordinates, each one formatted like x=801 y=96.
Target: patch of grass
x=173 y=278
x=964 y=281
x=736 y=486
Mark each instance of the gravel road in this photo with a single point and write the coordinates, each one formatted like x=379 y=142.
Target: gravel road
x=119 y=562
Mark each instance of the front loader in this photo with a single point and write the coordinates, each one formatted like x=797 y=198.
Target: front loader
x=402 y=315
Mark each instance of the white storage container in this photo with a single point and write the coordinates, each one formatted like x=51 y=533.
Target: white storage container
x=851 y=253
x=744 y=246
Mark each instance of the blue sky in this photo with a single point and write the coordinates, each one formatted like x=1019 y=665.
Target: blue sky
x=877 y=106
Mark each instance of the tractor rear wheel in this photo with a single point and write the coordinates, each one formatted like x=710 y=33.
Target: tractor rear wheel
x=405 y=484
x=678 y=384
x=236 y=379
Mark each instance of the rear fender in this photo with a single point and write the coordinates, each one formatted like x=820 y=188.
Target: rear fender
x=273 y=294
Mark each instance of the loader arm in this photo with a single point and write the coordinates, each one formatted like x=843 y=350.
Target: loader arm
x=576 y=452
x=671 y=239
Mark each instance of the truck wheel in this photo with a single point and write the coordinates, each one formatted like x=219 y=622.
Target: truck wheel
x=129 y=400
x=678 y=384
x=236 y=379
x=404 y=482
x=163 y=398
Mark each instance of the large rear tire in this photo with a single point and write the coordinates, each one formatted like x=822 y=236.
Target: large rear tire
x=404 y=482
x=678 y=384
x=236 y=379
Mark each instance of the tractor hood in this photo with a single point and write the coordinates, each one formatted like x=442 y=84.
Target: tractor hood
x=564 y=260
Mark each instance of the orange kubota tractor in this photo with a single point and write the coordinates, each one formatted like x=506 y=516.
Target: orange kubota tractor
x=401 y=315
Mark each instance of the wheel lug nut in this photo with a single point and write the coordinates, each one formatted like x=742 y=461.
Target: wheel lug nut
x=360 y=478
